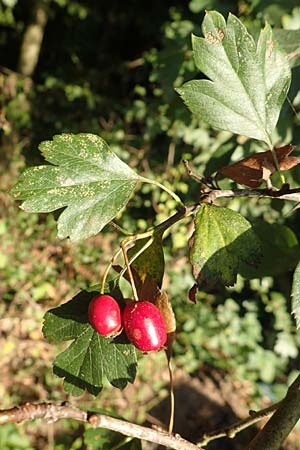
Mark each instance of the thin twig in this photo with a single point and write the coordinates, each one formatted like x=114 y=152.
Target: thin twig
x=131 y=279
x=164 y=188
x=52 y=413
x=277 y=429
x=172 y=398
x=232 y=430
x=104 y=277
x=138 y=253
x=192 y=174
x=294 y=54
x=208 y=196
x=175 y=442
x=281 y=194
x=122 y=230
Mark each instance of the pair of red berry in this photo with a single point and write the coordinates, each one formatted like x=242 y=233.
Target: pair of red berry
x=142 y=321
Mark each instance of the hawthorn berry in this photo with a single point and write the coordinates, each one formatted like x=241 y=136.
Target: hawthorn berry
x=105 y=315
x=144 y=326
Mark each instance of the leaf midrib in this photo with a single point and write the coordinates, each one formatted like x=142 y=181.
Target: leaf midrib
x=245 y=90
x=61 y=186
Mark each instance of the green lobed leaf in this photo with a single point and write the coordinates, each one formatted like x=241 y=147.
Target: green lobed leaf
x=85 y=176
x=289 y=41
x=222 y=241
x=247 y=83
x=90 y=358
x=280 y=250
x=296 y=295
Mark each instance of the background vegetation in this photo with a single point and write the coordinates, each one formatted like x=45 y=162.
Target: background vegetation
x=111 y=69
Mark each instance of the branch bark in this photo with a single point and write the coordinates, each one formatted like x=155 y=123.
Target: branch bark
x=277 y=429
x=52 y=413
x=232 y=430
x=282 y=194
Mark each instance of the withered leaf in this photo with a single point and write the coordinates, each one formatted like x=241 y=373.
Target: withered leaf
x=192 y=293
x=255 y=169
x=165 y=307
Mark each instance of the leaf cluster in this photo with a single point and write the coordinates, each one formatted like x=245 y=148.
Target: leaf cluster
x=94 y=185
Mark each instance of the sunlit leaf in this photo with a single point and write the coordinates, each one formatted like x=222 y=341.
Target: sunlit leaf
x=247 y=83
x=85 y=176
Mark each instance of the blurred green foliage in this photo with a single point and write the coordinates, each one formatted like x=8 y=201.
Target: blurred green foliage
x=111 y=70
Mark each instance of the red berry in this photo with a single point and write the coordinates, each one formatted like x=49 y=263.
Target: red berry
x=105 y=315
x=144 y=326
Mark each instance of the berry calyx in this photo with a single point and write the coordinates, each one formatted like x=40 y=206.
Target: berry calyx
x=105 y=315
x=144 y=326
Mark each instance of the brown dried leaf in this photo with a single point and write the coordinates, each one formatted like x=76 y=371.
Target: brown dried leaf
x=255 y=169
x=193 y=293
x=165 y=307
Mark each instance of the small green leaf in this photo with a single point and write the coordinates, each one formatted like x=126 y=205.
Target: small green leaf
x=247 y=83
x=91 y=358
x=289 y=41
x=280 y=250
x=86 y=177
x=296 y=296
x=223 y=239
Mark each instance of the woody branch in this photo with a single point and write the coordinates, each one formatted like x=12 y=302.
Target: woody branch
x=52 y=413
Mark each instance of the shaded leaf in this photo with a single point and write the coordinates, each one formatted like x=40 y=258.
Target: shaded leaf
x=296 y=296
x=223 y=239
x=280 y=250
x=86 y=177
x=90 y=358
x=247 y=83
x=148 y=268
x=255 y=169
x=289 y=41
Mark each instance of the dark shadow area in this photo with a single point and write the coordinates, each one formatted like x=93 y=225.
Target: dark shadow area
x=200 y=407
x=75 y=309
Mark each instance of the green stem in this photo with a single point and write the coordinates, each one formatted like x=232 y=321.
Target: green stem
x=157 y=230
x=164 y=188
x=141 y=250
x=104 y=277
x=127 y=265
x=281 y=176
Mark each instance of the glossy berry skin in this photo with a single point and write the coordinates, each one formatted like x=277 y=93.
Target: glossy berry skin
x=144 y=326
x=105 y=315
